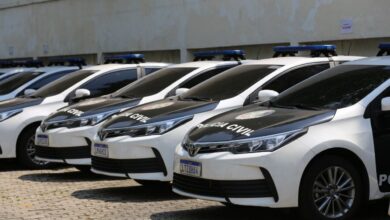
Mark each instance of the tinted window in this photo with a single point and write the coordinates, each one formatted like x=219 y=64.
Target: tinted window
x=151 y=70
x=46 y=80
x=203 y=76
x=63 y=83
x=1 y=73
x=154 y=83
x=17 y=80
x=335 y=88
x=295 y=76
x=231 y=83
x=110 y=82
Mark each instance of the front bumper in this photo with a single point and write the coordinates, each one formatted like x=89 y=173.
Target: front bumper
x=70 y=146
x=268 y=179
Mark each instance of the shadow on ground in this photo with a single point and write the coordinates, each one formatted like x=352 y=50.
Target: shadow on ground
x=7 y=165
x=66 y=176
x=373 y=211
x=128 y=194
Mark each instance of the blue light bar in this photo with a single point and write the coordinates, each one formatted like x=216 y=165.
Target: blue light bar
x=125 y=58
x=384 y=49
x=67 y=62
x=305 y=48
x=384 y=46
x=213 y=53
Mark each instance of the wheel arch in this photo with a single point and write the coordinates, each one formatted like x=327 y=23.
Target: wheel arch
x=348 y=155
x=29 y=126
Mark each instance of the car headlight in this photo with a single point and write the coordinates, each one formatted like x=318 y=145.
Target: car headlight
x=77 y=122
x=9 y=114
x=252 y=145
x=156 y=128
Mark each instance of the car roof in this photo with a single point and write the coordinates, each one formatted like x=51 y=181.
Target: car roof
x=301 y=60
x=111 y=66
x=385 y=61
x=206 y=64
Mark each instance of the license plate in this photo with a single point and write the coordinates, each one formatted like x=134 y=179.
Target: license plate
x=101 y=150
x=42 y=140
x=192 y=168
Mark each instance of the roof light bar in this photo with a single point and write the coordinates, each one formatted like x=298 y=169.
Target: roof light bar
x=315 y=50
x=226 y=55
x=384 y=49
x=67 y=62
x=126 y=58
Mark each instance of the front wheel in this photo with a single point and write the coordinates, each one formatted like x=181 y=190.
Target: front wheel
x=26 y=150
x=331 y=189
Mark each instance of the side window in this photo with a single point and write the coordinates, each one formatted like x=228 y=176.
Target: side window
x=110 y=82
x=295 y=76
x=150 y=70
x=202 y=77
x=46 y=80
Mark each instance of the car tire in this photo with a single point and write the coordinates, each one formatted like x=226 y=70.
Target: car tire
x=84 y=169
x=153 y=183
x=340 y=199
x=25 y=150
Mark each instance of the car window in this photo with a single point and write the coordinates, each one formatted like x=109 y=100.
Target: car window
x=203 y=76
x=295 y=76
x=338 y=87
x=231 y=83
x=46 y=80
x=17 y=80
x=110 y=82
x=153 y=83
x=150 y=70
x=60 y=85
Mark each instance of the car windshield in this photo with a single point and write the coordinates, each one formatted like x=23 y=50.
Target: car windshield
x=60 y=85
x=230 y=83
x=335 y=88
x=153 y=83
x=17 y=80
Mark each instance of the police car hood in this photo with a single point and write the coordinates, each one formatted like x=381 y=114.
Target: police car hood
x=18 y=103
x=256 y=121
x=93 y=106
x=159 y=111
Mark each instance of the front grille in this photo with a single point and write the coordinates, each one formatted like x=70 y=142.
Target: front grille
x=145 y=165
x=223 y=189
x=63 y=152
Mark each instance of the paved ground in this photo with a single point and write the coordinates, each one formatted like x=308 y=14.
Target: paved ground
x=66 y=193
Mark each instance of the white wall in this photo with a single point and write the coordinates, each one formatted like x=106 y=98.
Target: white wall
x=168 y=29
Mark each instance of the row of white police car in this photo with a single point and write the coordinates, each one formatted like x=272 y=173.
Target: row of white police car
x=288 y=131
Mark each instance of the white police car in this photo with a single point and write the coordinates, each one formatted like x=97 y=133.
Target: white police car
x=69 y=131
x=322 y=146
x=139 y=143
x=20 y=117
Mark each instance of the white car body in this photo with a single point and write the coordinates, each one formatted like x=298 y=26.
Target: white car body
x=75 y=139
x=12 y=127
x=135 y=152
x=349 y=131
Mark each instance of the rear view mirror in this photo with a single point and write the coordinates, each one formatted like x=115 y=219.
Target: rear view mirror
x=266 y=95
x=29 y=92
x=81 y=93
x=181 y=91
x=385 y=104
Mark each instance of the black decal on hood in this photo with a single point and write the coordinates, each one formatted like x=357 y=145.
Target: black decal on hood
x=159 y=111
x=255 y=121
x=18 y=103
x=92 y=107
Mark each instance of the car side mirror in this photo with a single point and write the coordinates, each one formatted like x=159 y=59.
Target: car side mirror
x=266 y=95
x=28 y=92
x=385 y=104
x=181 y=91
x=81 y=93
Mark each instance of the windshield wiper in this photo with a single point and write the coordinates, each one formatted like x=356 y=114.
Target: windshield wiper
x=196 y=98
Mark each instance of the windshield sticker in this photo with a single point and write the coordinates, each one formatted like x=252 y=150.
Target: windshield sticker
x=157 y=106
x=231 y=127
x=136 y=116
x=256 y=114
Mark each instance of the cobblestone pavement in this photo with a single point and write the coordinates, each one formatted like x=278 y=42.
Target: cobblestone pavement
x=68 y=194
